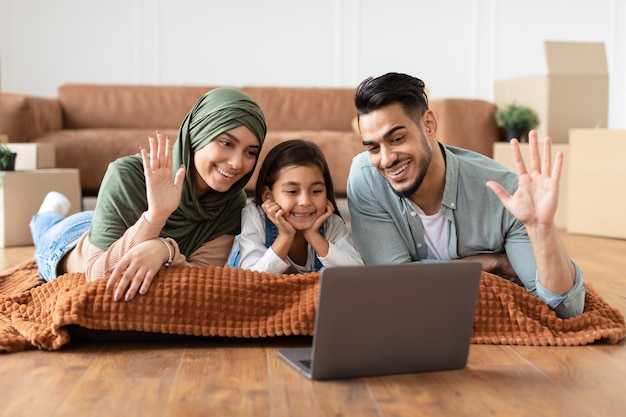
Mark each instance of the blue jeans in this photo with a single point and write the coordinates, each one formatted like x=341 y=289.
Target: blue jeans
x=54 y=236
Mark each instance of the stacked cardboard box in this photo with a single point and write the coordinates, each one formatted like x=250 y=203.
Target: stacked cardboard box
x=23 y=190
x=596 y=196
x=33 y=155
x=574 y=93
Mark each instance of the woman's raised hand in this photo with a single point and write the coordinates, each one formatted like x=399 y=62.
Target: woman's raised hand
x=163 y=191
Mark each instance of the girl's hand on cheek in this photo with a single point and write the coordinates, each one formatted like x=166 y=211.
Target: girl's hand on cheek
x=328 y=211
x=276 y=215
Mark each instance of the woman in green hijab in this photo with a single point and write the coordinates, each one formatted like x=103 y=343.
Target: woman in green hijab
x=178 y=204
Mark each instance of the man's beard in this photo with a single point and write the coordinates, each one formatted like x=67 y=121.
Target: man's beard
x=424 y=163
x=412 y=189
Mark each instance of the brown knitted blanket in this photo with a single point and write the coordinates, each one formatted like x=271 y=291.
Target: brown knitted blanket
x=215 y=301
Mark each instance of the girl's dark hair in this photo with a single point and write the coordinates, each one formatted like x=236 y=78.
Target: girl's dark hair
x=293 y=152
x=374 y=93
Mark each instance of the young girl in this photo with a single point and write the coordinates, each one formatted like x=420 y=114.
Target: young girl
x=293 y=225
x=178 y=205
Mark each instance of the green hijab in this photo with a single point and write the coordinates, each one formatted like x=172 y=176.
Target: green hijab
x=122 y=197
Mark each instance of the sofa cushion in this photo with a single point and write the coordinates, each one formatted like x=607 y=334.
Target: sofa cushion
x=466 y=123
x=304 y=109
x=95 y=106
x=23 y=117
x=89 y=106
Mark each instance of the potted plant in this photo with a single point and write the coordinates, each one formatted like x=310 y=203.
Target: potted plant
x=7 y=158
x=516 y=120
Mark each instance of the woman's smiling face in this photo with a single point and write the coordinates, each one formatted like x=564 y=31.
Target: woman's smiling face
x=225 y=160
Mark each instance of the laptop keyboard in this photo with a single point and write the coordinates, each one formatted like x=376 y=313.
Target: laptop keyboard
x=306 y=363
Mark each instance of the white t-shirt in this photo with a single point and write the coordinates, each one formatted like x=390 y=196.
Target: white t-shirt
x=436 y=233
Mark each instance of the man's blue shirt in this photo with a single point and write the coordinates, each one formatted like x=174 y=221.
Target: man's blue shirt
x=388 y=230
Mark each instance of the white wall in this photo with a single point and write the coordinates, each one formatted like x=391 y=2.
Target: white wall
x=459 y=47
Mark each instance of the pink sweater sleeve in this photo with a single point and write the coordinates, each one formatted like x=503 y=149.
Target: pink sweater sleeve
x=96 y=262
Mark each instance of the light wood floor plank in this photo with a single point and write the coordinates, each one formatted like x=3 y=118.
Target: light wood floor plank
x=508 y=385
x=221 y=379
x=584 y=372
x=425 y=394
x=35 y=383
x=295 y=395
x=125 y=379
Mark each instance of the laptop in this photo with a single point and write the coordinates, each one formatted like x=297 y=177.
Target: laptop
x=390 y=319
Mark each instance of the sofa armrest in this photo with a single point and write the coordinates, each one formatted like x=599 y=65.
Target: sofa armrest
x=466 y=123
x=24 y=117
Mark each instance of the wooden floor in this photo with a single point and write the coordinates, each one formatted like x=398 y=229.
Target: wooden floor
x=222 y=377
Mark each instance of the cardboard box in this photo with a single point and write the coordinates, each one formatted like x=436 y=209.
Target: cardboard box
x=21 y=194
x=502 y=153
x=32 y=156
x=597 y=198
x=574 y=93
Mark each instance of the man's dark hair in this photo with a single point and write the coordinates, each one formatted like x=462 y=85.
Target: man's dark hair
x=408 y=91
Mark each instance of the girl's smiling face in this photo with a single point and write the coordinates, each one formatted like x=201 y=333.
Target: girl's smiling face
x=300 y=191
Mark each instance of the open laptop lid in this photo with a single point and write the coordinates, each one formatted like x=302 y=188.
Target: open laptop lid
x=387 y=319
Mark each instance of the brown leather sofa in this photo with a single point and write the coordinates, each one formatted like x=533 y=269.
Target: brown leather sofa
x=91 y=125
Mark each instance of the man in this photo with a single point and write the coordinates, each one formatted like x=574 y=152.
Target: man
x=413 y=199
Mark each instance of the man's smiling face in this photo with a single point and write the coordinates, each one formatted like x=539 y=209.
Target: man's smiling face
x=397 y=146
